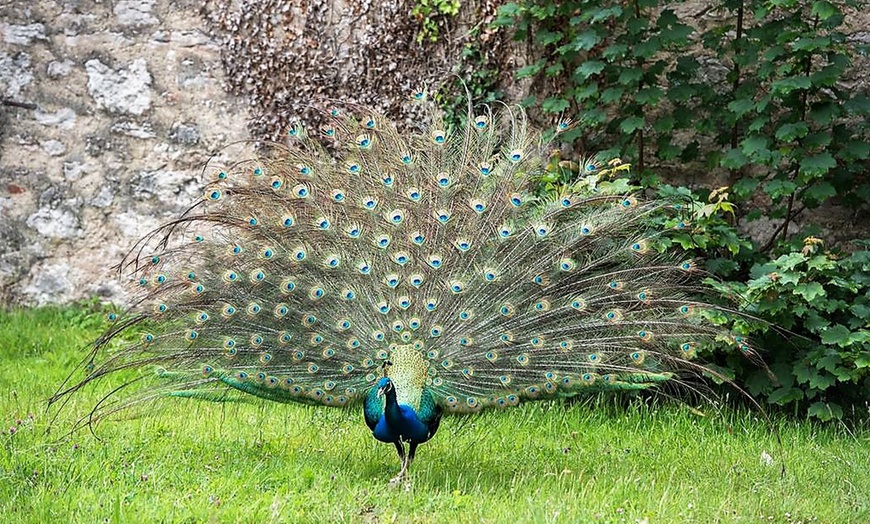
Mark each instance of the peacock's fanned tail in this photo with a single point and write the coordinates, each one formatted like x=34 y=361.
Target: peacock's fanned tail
x=297 y=276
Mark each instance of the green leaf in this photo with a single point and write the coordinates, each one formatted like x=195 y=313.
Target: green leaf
x=614 y=51
x=586 y=40
x=810 y=290
x=855 y=150
x=637 y=25
x=823 y=112
x=667 y=18
x=859 y=104
x=555 y=105
x=789 y=278
x=820 y=262
x=664 y=124
x=649 y=95
x=803 y=372
x=507 y=15
x=790 y=261
x=745 y=186
x=509 y=9
x=594 y=116
x=667 y=150
x=760 y=11
x=545 y=38
x=861 y=311
x=822 y=381
x=787 y=85
x=757 y=124
x=531 y=70
x=837 y=334
x=827 y=76
x=830 y=362
x=631 y=124
x=785 y=395
x=773 y=52
x=789 y=132
x=589 y=68
x=811 y=44
x=586 y=91
x=612 y=94
x=755 y=145
x=815 y=322
x=606 y=13
x=630 y=76
x=682 y=93
x=554 y=70
x=824 y=10
x=648 y=49
x=820 y=192
x=825 y=411
x=817 y=140
x=817 y=165
x=733 y=159
x=692 y=150
x=741 y=106
x=677 y=34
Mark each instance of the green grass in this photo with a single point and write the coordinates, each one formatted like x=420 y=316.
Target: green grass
x=590 y=461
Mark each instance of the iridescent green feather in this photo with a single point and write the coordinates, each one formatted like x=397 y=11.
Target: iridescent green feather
x=299 y=274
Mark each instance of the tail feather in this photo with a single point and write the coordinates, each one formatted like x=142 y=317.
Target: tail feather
x=296 y=276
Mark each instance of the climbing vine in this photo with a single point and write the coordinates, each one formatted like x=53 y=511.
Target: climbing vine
x=765 y=98
x=431 y=15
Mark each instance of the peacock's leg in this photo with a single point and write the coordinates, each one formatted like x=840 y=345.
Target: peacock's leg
x=412 y=449
x=400 y=447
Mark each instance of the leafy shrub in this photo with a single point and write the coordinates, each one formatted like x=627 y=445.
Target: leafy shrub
x=760 y=98
x=825 y=297
x=759 y=95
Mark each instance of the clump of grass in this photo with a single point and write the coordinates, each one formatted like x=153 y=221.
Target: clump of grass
x=591 y=461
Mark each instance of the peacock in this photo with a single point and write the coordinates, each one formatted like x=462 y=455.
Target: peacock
x=417 y=274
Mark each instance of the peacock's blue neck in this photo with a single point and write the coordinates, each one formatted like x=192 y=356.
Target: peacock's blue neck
x=392 y=412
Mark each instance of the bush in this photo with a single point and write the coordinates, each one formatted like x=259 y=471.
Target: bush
x=758 y=98
x=812 y=306
x=825 y=298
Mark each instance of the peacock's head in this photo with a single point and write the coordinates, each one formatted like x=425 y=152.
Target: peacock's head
x=385 y=385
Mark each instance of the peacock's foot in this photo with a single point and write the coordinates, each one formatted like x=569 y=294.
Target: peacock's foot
x=401 y=477
x=403 y=481
x=405 y=462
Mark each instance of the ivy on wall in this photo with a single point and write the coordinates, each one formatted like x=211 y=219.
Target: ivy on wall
x=770 y=95
x=764 y=93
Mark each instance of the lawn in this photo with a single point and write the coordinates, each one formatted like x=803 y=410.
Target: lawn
x=590 y=461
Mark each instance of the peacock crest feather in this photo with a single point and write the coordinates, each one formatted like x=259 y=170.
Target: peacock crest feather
x=359 y=264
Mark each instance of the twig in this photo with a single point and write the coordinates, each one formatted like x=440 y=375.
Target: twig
x=781 y=227
x=22 y=105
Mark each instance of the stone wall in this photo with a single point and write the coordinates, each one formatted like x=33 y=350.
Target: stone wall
x=114 y=108
x=127 y=107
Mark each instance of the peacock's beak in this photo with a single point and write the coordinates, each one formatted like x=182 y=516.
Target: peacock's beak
x=380 y=392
